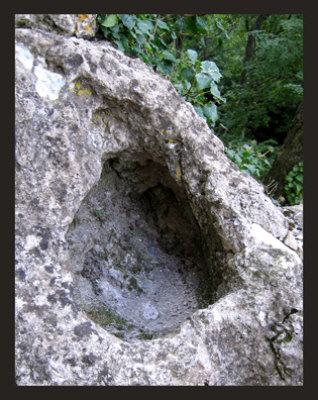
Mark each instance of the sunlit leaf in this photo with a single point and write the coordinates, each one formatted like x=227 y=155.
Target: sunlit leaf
x=210 y=111
x=203 y=80
x=210 y=68
x=192 y=54
x=110 y=21
x=215 y=91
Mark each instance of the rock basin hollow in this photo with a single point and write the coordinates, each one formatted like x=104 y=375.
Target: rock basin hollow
x=97 y=164
x=137 y=253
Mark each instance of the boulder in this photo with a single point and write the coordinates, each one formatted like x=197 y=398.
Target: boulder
x=144 y=256
x=80 y=25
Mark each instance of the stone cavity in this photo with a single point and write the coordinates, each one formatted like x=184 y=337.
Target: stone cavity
x=117 y=178
x=137 y=251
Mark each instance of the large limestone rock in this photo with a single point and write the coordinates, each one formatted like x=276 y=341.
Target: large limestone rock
x=144 y=256
x=80 y=25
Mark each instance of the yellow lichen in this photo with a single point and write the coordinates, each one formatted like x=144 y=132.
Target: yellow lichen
x=77 y=86
x=170 y=140
x=87 y=28
x=80 y=92
x=82 y=17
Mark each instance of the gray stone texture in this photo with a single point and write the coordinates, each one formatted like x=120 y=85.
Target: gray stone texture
x=88 y=118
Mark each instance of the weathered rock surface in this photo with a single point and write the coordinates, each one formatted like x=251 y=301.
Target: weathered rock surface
x=130 y=218
x=80 y=25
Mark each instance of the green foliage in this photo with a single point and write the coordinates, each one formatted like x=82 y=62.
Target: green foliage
x=195 y=80
x=265 y=105
x=294 y=185
x=166 y=43
x=254 y=158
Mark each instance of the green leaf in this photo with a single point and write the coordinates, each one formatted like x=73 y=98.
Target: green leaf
x=178 y=86
x=230 y=153
x=120 y=45
x=114 y=31
x=133 y=34
x=210 y=111
x=191 y=25
x=199 y=111
x=124 y=40
x=128 y=20
x=165 y=67
x=159 y=42
x=148 y=47
x=145 y=26
x=253 y=170
x=299 y=178
x=201 y=23
x=192 y=54
x=168 y=56
x=173 y=35
x=162 y=25
x=110 y=21
x=210 y=68
x=219 y=25
x=203 y=80
x=145 y=59
x=215 y=90
x=141 y=39
x=187 y=73
x=186 y=85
